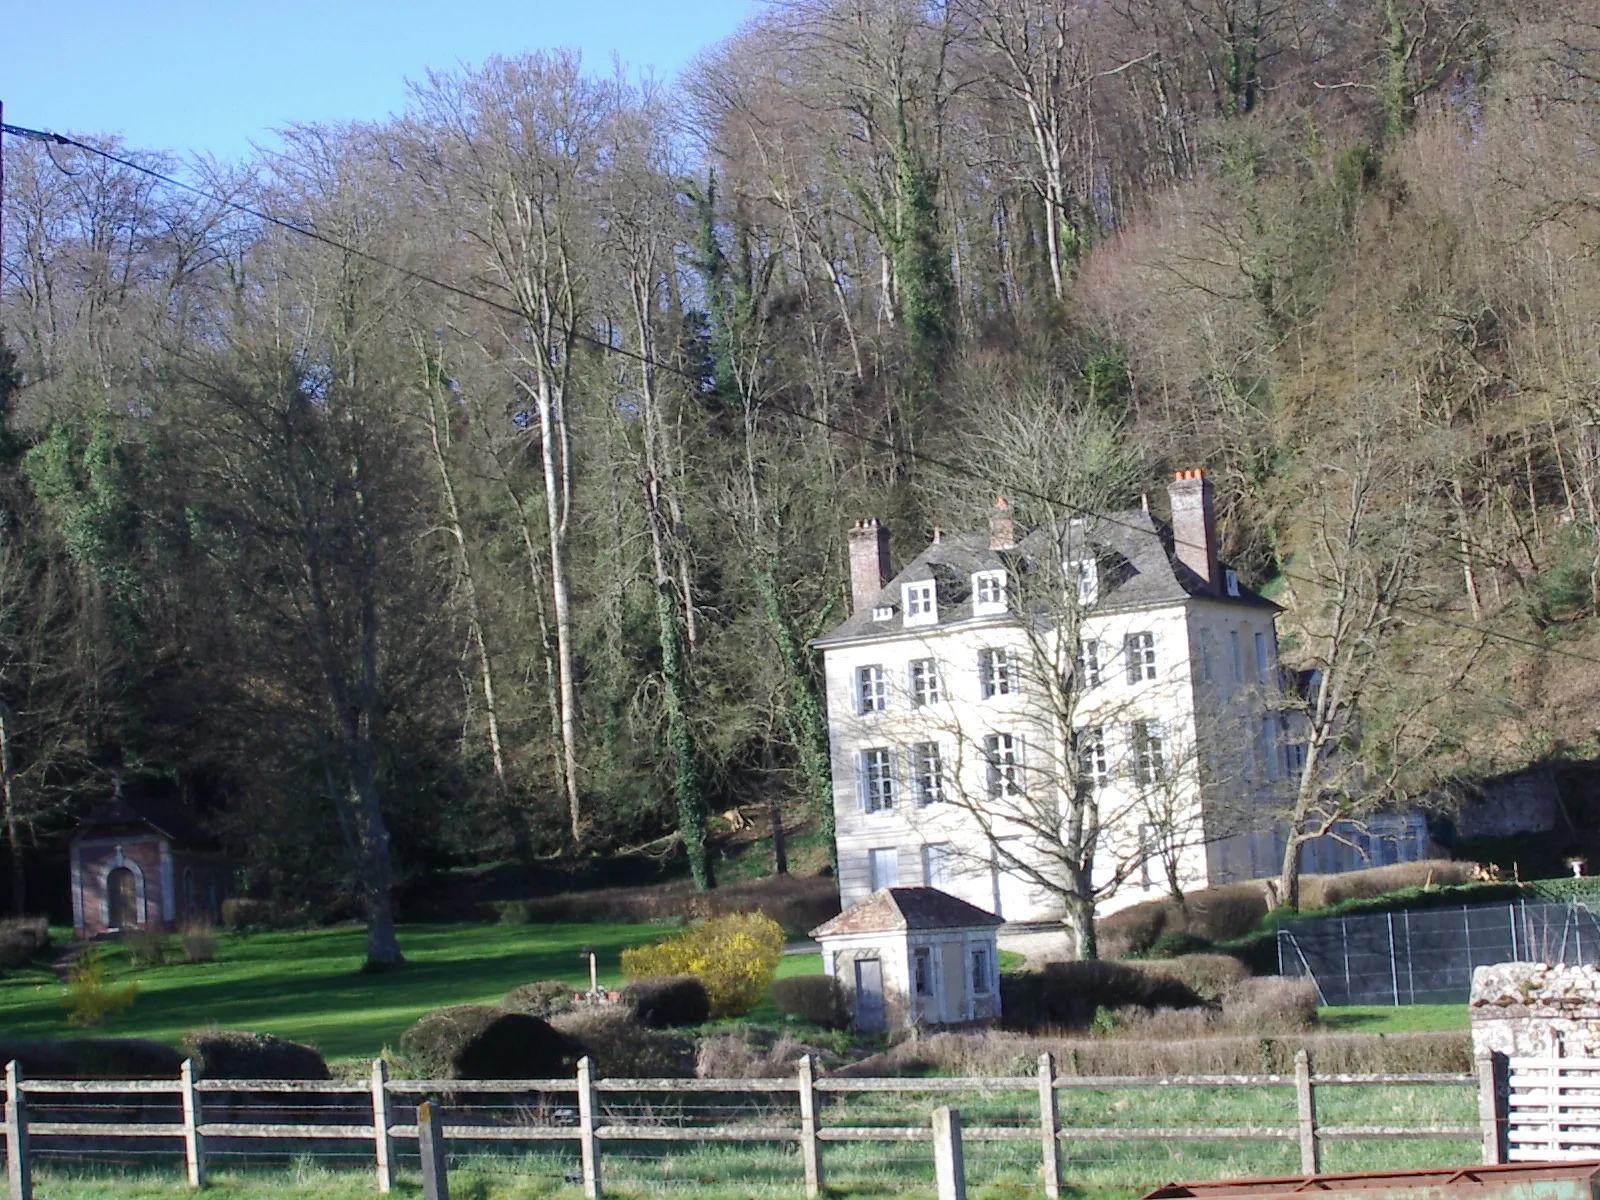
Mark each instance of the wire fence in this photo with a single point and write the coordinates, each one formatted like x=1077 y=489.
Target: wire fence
x=1427 y=957
x=753 y=1135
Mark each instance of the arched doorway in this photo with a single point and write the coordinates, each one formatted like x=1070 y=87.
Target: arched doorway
x=122 y=899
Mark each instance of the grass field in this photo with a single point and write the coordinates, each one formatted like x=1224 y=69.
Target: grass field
x=1404 y=1018
x=308 y=985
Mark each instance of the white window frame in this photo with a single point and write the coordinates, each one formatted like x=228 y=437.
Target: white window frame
x=1230 y=582
x=982 y=971
x=883 y=854
x=872 y=689
x=883 y=612
x=1089 y=661
x=877 y=788
x=1094 y=764
x=1004 y=763
x=921 y=601
x=989 y=593
x=1139 y=649
x=936 y=869
x=923 y=681
x=997 y=672
x=922 y=970
x=1149 y=765
x=927 y=773
x=1086 y=577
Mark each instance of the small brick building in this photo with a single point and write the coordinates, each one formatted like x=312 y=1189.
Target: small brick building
x=140 y=864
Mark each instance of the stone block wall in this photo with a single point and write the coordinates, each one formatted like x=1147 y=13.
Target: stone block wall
x=1536 y=1010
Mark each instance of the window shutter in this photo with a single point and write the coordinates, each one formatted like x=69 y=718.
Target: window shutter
x=861 y=781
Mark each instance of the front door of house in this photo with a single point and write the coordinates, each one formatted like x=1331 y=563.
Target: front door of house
x=953 y=969
x=122 y=898
x=869 y=995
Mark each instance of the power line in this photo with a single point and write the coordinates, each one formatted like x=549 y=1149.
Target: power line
x=610 y=348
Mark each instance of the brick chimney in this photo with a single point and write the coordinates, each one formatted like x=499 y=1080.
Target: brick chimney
x=1194 y=526
x=1002 y=530
x=869 y=562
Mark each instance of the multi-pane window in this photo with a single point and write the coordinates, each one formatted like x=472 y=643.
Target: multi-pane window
x=1089 y=663
x=1094 y=769
x=872 y=689
x=924 y=682
x=927 y=772
x=980 y=973
x=1149 y=744
x=1294 y=755
x=936 y=865
x=1002 y=754
x=922 y=607
x=922 y=963
x=1140 y=651
x=1087 y=574
x=989 y=592
x=1262 y=658
x=876 y=774
x=1238 y=661
x=884 y=868
x=997 y=673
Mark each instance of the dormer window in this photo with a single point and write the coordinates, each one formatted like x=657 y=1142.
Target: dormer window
x=1230 y=582
x=884 y=612
x=922 y=605
x=1087 y=573
x=988 y=593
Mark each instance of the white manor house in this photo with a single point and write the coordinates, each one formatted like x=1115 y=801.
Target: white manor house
x=934 y=725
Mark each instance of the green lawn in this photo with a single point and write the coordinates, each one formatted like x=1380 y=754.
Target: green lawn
x=1404 y=1018
x=307 y=985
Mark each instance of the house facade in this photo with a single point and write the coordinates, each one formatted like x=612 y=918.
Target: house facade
x=947 y=738
x=138 y=864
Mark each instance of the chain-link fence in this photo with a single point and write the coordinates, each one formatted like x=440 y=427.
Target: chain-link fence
x=1427 y=957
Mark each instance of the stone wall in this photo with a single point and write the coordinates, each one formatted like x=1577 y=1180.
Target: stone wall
x=1536 y=1010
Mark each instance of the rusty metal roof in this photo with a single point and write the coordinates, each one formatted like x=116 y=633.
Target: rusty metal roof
x=1529 y=1181
x=907 y=908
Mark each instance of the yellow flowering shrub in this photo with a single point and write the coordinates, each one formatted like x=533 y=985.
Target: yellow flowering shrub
x=734 y=956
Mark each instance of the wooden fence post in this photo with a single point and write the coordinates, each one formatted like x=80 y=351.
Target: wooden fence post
x=194 y=1145
x=18 y=1173
x=810 y=1148
x=430 y=1143
x=1493 y=1098
x=1306 y=1104
x=382 y=1118
x=949 y=1170
x=1049 y=1126
x=588 y=1144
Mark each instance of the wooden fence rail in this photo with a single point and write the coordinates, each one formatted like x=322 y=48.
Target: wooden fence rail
x=583 y=1121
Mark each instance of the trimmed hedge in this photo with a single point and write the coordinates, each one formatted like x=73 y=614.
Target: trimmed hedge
x=474 y=1041
x=818 y=999
x=667 y=1001
x=543 y=999
x=1066 y=995
x=93 y=1058
x=621 y=1048
x=21 y=938
x=234 y=1054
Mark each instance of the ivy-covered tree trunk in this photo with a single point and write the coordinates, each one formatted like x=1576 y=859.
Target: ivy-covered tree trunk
x=688 y=787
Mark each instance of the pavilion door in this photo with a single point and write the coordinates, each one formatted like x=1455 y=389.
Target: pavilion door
x=869 y=995
x=123 y=899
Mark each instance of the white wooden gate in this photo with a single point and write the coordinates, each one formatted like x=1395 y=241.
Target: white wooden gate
x=1553 y=1110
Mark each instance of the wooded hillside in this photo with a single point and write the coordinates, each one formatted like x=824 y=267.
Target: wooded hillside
x=493 y=520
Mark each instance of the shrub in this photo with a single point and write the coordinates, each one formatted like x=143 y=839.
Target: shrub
x=1209 y=976
x=798 y=903
x=1271 y=1004
x=543 y=999
x=1067 y=994
x=92 y=1058
x=734 y=956
x=473 y=1041
x=746 y=1055
x=231 y=1054
x=511 y=912
x=668 y=1001
x=621 y=1048
x=89 y=997
x=1322 y=891
x=242 y=912
x=1175 y=943
x=199 y=939
x=818 y=999
x=147 y=947
x=21 y=938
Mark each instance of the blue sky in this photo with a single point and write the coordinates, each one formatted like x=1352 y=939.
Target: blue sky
x=213 y=76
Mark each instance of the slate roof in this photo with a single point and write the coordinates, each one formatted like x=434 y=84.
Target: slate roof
x=908 y=908
x=1138 y=569
x=140 y=811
